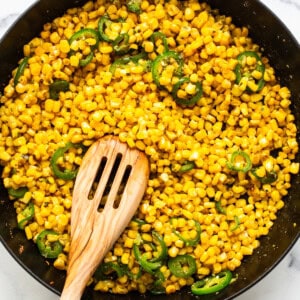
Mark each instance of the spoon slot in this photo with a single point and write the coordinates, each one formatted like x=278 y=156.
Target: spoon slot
x=112 y=174
x=111 y=186
x=97 y=178
x=122 y=186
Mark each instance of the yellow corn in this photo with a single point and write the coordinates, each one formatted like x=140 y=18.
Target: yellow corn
x=128 y=104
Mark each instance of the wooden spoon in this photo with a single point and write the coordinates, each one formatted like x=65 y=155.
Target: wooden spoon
x=97 y=220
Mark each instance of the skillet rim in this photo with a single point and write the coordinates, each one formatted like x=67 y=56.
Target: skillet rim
x=270 y=268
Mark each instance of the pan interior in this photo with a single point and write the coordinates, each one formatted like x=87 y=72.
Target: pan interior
x=282 y=50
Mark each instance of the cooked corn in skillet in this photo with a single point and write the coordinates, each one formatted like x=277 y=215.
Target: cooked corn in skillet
x=179 y=82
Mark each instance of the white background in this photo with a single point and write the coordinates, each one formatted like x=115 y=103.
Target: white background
x=282 y=283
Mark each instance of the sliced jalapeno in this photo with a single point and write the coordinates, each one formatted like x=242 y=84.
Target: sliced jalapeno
x=121 y=44
x=163 y=60
x=187 y=166
x=190 y=242
x=65 y=174
x=242 y=71
x=48 y=249
x=150 y=265
x=147 y=265
x=182 y=266
x=220 y=208
x=134 y=6
x=121 y=62
x=157 y=35
x=162 y=253
x=84 y=34
x=20 y=70
x=189 y=99
x=104 y=23
x=106 y=269
x=157 y=287
x=212 y=284
x=139 y=221
x=269 y=178
x=25 y=216
x=17 y=193
x=239 y=161
x=58 y=86
x=236 y=223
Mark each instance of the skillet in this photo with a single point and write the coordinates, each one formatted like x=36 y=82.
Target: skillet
x=284 y=54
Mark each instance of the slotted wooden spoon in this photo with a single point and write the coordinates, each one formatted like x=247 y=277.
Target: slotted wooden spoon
x=98 y=218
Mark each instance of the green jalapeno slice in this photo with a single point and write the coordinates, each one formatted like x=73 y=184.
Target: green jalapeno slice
x=27 y=214
x=187 y=166
x=157 y=287
x=157 y=35
x=107 y=269
x=84 y=34
x=236 y=223
x=240 y=71
x=121 y=44
x=104 y=23
x=212 y=284
x=123 y=61
x=162 y=252
x=239 y=161
x=17 y=193
x=190 y=242
x=64 y=174
x=56 y=87
x=48 y=249
x=139 y=221
x=163 y=60
x=269 y=178
x=150 y=265
x=134 y=6
x=20 y=70
x=182 y=266
x=220 y=208
x=189 y=99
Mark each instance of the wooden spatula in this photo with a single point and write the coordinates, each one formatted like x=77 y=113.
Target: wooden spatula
x=99 y=214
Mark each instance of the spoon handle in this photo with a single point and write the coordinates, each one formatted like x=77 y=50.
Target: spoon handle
x=81 y=269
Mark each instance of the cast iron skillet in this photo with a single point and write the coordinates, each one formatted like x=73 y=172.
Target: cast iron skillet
x=284 y=54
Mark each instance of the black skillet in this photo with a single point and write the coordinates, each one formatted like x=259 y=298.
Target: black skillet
x=284 y=53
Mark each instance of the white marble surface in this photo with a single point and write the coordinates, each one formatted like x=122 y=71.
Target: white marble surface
x=281 y=283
